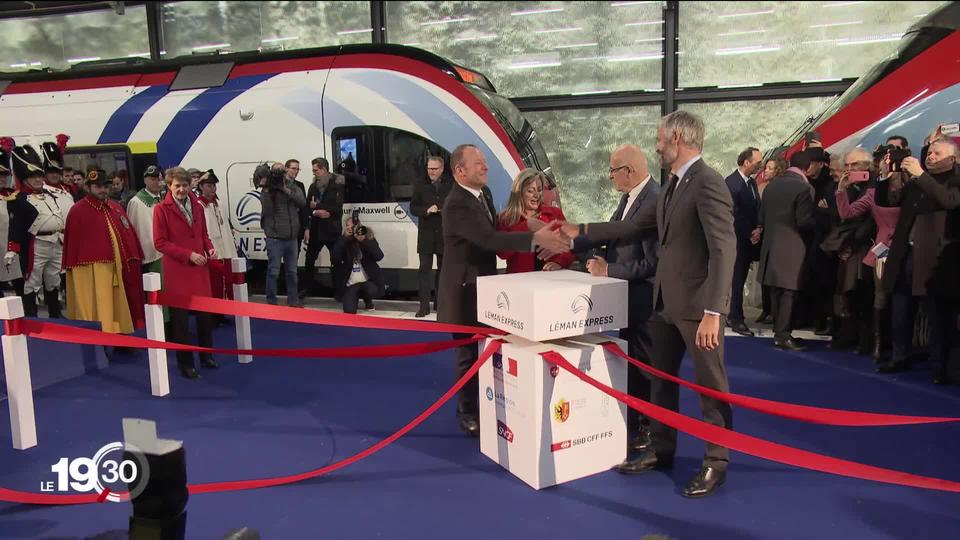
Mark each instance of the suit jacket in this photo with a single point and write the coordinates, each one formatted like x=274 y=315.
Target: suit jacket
x=634 y=259
x=786 y=213
x=331 y=200
x=430 y=226
x=697 y=244
x=470 y=245
x=746 y=208
x=923 y=202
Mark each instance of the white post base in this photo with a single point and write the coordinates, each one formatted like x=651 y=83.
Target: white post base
x=244 y=339
x=159 y=377
x=16 y=364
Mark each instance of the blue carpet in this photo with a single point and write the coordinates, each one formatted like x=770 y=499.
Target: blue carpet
x=282 y=416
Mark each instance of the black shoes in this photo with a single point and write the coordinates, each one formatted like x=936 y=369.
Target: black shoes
x=469 y=425
x=741 y=328
x=423 y=312
x=209 y=363
x=648 y=461
x=705 y=483
x=190 y=372
x=640 y=442
x=789 y=344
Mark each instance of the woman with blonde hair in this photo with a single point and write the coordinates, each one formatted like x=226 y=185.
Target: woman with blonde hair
x=524 y=208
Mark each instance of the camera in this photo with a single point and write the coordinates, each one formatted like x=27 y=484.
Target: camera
x=896 y=157
x=276 y=179
x=358 y=229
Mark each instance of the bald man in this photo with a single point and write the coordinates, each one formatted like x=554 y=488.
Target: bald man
x=635 y=260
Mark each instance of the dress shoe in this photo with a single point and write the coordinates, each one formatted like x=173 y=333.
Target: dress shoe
x=940 y=376
x=422 y=312
x=764 y=318
x=893 y=366
x=190 y=372
x=640 y=442
x=209 y=363
x=705 y=483
x=789 y=344
x=368 y=305
x=648 y=461
x=470 y=425
x=741 y=328
x=296 y=305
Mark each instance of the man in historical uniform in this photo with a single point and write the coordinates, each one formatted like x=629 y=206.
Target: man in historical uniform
x=38 y=214
x=140 y=212
x=102 y=257
x=220 y=233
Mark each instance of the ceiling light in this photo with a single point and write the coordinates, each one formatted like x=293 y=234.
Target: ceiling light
x=475 y=38
x=635 y=58
x=446 y=21
x=590 y=92
x=576 y=45
x=535 y=11
x=557 y=30
x=746 y=50
x=357 y=31
x=743 y=33
x=879 y=39
x=840 y=4
x=212 y=46
x=750 y=85
x=78 y=60
x=648 y=40
x=829 y=25
x=625 y=4
x=644 y=23
x=276 y=39
x=18 y=65
x=530 y=65
x=821 y=80
x=745 y=14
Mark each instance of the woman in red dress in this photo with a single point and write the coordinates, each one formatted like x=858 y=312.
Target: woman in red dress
x=525 y=207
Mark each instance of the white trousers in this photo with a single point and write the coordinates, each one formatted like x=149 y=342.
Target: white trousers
x=47 y=260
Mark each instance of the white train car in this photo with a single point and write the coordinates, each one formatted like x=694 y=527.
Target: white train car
x=386 y=107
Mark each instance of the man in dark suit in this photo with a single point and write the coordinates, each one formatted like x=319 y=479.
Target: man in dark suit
x=691 y=292
x=324 y=216
x=785 y=215
x=426 y=204
x=634 y=260
x=470 y=245
x=746 y=204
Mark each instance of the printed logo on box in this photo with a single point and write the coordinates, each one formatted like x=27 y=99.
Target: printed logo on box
x=489 y=394
x=561 y=410
x=511 y=365
x=503 y=304
x=582 y=303
x=503 y=301
x=504 y=431
x=580 y=441
x=554 y=371
x=501 y=398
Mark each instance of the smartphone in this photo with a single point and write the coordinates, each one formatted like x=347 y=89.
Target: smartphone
x=858 y=176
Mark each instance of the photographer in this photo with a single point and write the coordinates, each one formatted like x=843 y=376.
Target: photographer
x=357 y=251
x=923 y=230
x=280 y=219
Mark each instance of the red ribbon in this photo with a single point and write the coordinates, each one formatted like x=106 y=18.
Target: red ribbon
x=24 y=497
x=758 y=447
x=237 y=278
x=71 y=334
x=13 y=327
x=814 y=415
x=309 y=316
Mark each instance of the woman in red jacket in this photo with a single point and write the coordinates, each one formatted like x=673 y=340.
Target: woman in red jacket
x=180 y=234
x=526 y=204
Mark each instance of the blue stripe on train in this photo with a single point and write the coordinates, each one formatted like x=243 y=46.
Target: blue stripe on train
x=128 y=115
x=194 y=117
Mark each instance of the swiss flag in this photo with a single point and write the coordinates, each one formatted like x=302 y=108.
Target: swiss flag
x=512 y=366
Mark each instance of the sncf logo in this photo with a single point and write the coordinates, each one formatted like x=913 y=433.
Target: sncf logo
x=503 y=301
x=504 y=431
x=582 y=303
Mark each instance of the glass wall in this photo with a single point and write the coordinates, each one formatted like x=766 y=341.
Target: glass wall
x=540 y=48
x=579 y=142
x=204 y=27
x=733 y=126
x=749 y=43
x=56 y=42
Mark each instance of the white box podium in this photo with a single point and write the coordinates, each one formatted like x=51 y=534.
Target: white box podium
x=542 y=423
x=540 y=306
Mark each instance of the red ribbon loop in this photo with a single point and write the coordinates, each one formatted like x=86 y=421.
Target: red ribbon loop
x=13 y=327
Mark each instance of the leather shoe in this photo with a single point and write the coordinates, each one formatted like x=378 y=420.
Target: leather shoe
x=893 y=366
x=764 y=318
x=640 y=442
x=470 y=425
x=741 y=328
x=190 y=372
x=789 y=344
x=705 y=483
x=648 y=461
x=209 y=363
x=423 y=312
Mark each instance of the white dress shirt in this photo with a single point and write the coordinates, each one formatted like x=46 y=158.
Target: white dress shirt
x=632 y=197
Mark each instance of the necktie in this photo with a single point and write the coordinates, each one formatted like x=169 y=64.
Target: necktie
x=486 y=209
x=753 y=187
x=618 y=215
x=674 y=180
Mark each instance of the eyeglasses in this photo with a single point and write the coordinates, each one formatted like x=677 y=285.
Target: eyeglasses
x=434 y=168
x=615 y=169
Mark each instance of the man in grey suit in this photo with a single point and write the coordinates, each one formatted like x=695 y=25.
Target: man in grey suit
x=470 y=245
x=786 y=213
x=694 y=219
x=635 y=261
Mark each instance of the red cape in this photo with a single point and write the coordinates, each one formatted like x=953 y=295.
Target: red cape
x=87 y=241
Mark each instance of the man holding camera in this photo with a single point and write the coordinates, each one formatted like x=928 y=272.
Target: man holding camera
x=921 y=233
x=282 y=201
x=358 y=252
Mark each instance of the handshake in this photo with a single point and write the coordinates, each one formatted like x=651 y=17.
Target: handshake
x=552 y=238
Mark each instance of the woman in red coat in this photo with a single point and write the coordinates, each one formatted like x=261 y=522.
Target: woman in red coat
x=180 y=234
x=526 y=203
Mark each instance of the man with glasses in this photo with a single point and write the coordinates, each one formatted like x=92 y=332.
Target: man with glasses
x=325 y=213
x=293 y=170
x=426 y=204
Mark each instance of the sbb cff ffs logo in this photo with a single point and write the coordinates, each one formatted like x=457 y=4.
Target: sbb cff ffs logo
x=104 y=474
